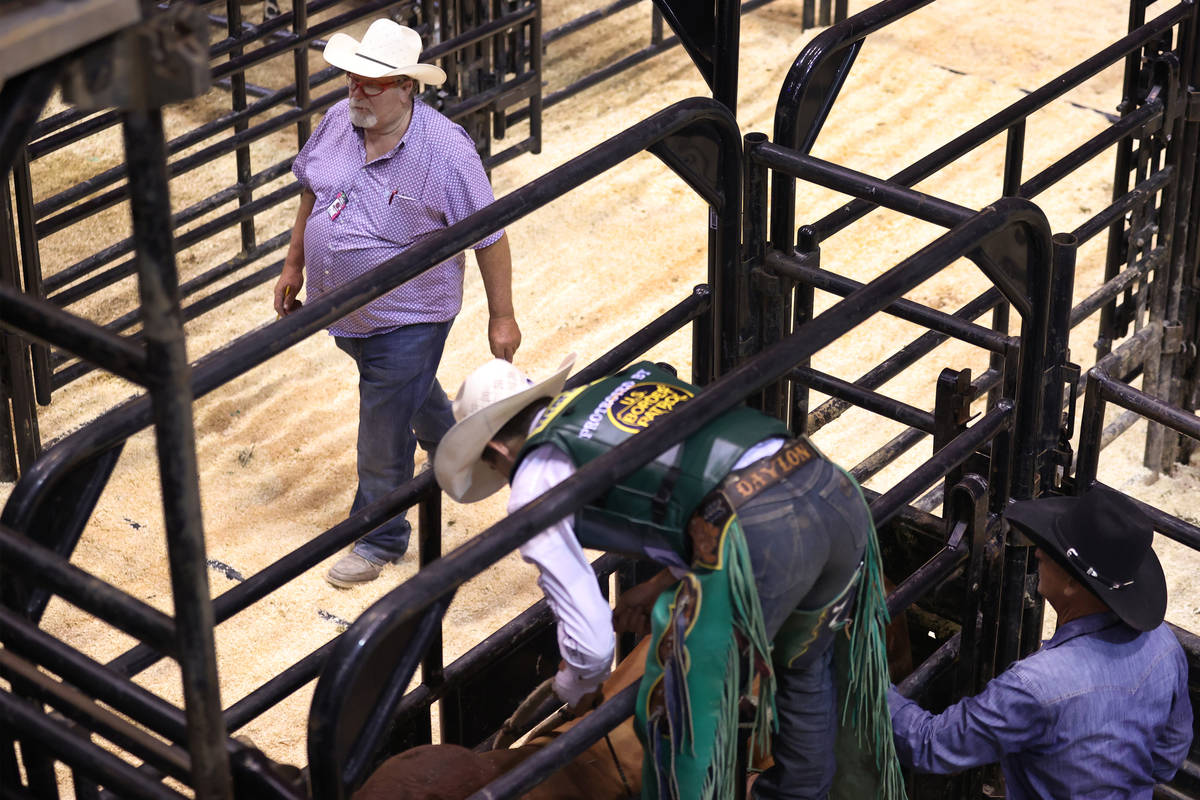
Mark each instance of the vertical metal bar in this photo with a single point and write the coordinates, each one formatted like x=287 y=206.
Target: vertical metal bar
x=966 y=501
x=802 y=312
x=535 y=102
x=1012 y=604
x=31 y=266
x=1000 y=318
x=171 y=398
x=1014 y=159
x=10 y=774
x=840 y=10
x=1065 y=248
x=1182 y=301
x=237 y=94
x=300 y=68
x=656 y=25
x=823 y=14
x=1116 y=251
x=1091 y=429
x=8 y=441
x=725 y=54
x=769 y=296
x=429 y=549
x=726 y=274
x=704 y=344
x=1040 y=270
x=808 y=15
x=18 y=380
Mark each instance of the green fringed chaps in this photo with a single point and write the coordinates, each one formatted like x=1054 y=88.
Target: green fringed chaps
x=696 y=675
x=861 y=661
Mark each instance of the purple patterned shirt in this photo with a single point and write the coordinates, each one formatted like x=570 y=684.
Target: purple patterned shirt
x=432 y=179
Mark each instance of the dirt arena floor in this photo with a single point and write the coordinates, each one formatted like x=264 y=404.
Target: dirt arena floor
x=276 y=446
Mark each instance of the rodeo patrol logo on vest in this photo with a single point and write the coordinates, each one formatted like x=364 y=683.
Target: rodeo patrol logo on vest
x=635 y=408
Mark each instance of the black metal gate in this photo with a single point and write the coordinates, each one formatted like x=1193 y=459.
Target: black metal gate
x=755 y=330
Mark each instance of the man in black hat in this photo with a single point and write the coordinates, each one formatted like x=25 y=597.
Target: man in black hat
x=1101 y=710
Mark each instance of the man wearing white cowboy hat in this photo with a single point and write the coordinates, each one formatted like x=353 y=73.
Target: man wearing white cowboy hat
x=381 y=172
x=768 y=550
x=1102 y=710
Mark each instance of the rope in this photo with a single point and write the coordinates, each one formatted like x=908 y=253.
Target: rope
x=617 y=763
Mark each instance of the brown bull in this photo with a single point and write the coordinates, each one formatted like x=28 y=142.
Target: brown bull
x=450 y=772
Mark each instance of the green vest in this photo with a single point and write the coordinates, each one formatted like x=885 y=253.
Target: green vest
x=647 y=512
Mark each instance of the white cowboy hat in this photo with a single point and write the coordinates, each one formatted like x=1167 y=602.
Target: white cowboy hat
x=387 y=49
x=489 y=397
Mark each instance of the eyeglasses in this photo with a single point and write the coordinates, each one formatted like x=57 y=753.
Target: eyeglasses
x=367 y=87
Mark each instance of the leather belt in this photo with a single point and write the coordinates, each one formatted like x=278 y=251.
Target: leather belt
x=707 y=524
x=743 y=484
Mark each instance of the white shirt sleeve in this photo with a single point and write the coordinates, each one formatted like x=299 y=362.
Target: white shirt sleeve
x=585 y=634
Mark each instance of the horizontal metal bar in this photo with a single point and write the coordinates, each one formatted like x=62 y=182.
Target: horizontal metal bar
x=41 y=321
x=1152 y=408
x=586 y=732
x=21 y=636
x=263 y=275
x=183 y=241
x=585 y=20
x=1018 y=111
x=953 y=325
x=1140 y=195
x=291 y=565
x=1140 y=269
x=682 y=313
x=921 y=677
x=1090 y=149
x=878 y=191
x=926 y=576
x=189 y=162
x=601 y=75
x=899 y=444
x=903 y=358
x=86 y=591
x=958 y=450
x=83 y=710
x=267 y=696
x=864 y=398
x=511 y=92
x=80 y=754
x=1170 y=525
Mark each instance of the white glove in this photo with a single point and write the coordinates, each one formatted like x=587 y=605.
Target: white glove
x=571 y=688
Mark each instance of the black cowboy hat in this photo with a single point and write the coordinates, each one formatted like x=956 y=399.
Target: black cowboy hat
x=1102 y=539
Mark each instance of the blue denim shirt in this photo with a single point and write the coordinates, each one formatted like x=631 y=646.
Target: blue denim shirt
x=1101 y=711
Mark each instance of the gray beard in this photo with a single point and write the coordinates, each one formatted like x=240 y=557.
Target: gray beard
x=362 y=118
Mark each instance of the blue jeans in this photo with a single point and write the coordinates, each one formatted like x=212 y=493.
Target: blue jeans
x=399 y=402
x=806 y=536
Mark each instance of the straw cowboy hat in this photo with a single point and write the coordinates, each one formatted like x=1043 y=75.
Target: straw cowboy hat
x=489 y=397
x=386 y=50
x=1103 y=540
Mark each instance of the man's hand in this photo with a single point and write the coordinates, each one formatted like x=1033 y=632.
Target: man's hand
x=586 y=703
x=286 y=288
x=580 y=695
x=504 y=337
x=632 y=614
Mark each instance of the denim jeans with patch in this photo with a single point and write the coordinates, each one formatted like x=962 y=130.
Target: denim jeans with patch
x=400 y=403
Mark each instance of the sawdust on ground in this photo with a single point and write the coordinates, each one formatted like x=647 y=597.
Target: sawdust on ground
x=276 y=446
